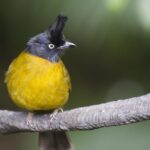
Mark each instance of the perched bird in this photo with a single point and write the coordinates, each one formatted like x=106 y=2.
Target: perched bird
x=37 y=79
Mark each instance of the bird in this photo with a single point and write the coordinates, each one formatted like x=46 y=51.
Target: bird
x=37 y=79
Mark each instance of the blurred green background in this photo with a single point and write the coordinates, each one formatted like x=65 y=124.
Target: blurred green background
x=111 y=61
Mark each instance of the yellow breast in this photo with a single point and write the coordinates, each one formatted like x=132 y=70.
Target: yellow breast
x=35 y=83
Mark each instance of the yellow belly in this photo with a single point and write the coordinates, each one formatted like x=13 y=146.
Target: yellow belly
x=35 y=83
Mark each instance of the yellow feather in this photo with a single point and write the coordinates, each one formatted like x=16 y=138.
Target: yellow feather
x=35 y=83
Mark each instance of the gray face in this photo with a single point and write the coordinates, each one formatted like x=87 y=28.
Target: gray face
x=50 y=44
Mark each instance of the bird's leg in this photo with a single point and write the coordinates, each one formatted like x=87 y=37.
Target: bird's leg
x=29 y=118
x=55 y=112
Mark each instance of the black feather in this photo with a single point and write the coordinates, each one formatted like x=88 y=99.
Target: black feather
x=55 y=31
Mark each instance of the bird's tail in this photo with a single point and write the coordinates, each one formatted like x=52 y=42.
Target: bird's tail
x=54 y=141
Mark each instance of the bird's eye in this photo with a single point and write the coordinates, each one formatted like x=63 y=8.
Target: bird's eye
x=51 y=46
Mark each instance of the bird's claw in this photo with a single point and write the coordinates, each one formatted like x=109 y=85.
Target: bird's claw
x=54 y=114
x=29 y=119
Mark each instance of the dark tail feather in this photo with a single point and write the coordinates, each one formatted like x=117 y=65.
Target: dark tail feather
x=54 y=141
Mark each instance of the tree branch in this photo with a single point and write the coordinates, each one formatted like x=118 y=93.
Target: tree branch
x=114 y=113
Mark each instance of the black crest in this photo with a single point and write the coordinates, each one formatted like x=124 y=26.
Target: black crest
x=55 y=30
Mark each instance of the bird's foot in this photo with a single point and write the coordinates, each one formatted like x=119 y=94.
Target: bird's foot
x=29 y=119
x=54 y=114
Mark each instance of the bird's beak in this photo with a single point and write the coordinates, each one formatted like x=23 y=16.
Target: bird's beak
x=67 y=44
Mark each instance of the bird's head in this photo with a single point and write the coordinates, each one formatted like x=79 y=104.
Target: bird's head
x=51 y=43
